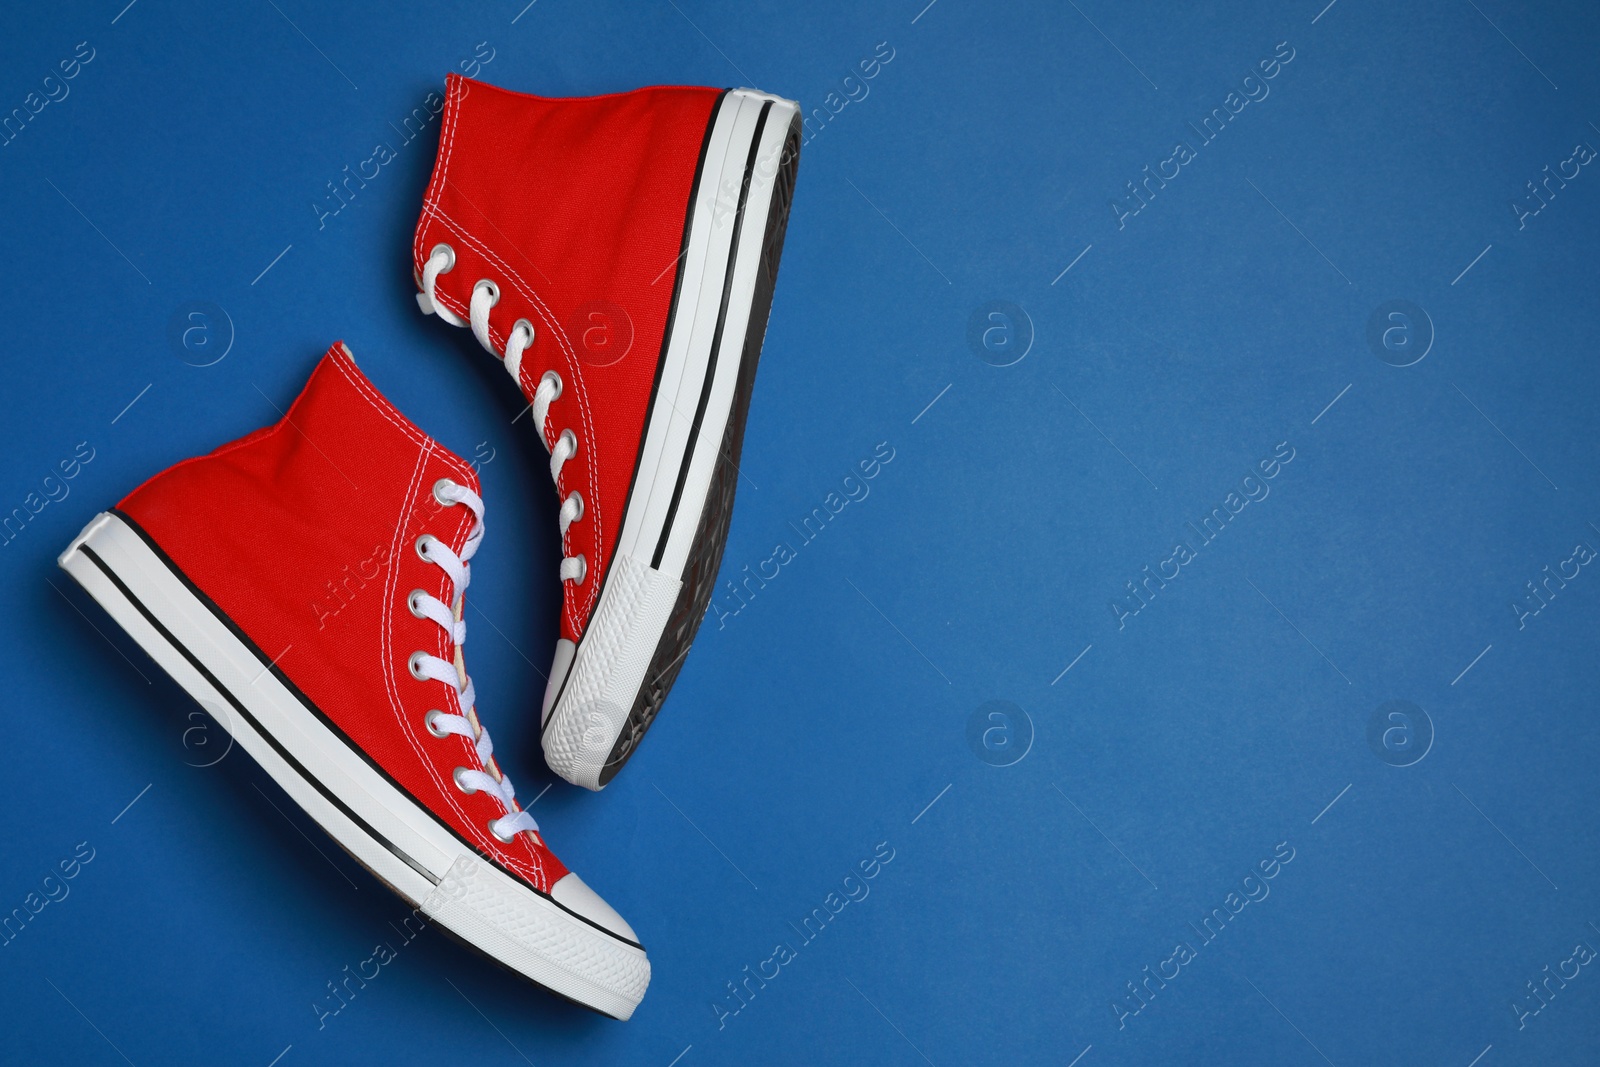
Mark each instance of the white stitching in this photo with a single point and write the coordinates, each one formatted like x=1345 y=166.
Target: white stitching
x=447 y=143
x=396 y=547
x=431 y=208
x=548 y=316
x=427 y=448
x=396 y=704
x=380 y=404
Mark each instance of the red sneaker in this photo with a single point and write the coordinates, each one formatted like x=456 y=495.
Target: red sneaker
x=618 y=253
x=354 y=696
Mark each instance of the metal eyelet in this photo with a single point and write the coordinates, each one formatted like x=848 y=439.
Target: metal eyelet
x=575 y=495
x=430 y=719
x=568 y=435
x=494 y=290
x=441 y=484
x=447 y=250
x=411 y=602
x=469 y=790
x=553 y=377
x=583 y=569
x=524 y=324
x=496 y=833
x=414 y=662
x=422 y=546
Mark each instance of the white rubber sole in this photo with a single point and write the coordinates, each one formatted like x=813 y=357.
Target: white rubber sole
x=594 y=686
x=743 y=115
x=389 y=833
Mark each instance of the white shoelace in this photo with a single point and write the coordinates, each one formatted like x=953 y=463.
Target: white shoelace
x=485 y=295
x=426 y=667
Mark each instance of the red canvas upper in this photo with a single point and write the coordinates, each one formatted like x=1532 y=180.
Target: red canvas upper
x=303 y=534
x=575 y=208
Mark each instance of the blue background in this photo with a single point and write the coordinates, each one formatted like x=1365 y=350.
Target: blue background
x=1185 y=343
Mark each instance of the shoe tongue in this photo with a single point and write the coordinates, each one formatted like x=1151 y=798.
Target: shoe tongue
x=461 y=656
x=560 y=664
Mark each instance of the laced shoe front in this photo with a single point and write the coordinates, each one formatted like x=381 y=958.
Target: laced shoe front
x=618 y=255
x=306 y=585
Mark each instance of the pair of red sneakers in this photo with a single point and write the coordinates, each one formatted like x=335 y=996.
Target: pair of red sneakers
x=664 y=207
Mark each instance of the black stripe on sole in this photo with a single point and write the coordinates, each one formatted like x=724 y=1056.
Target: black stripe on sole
x=716 y=338
x=666 y=342
x=711 y=535
x=305 y=702
x=244 y=713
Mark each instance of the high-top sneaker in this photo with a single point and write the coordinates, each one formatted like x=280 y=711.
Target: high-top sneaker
x=305 y=584
x=618 y=253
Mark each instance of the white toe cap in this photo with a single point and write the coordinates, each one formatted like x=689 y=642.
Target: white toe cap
x=572 y=893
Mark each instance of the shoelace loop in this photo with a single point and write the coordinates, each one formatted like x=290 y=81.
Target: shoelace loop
x=425 y=667
x=485 y=295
